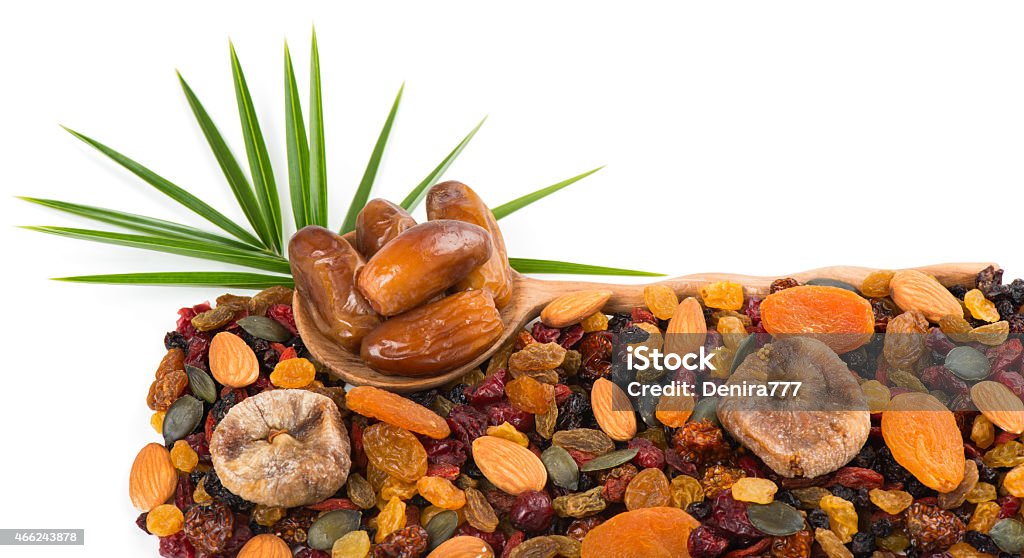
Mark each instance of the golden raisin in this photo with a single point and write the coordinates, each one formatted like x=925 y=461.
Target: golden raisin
x=648 y=489
x=674 y=410
x=685 y=491
x=724 y=295
x=890 y=501
x=983 y=433
x=831 y=543
x=956 y=327
x=1014 y=481
x=732 y=330
x=479 y=512
x=981 y=308
x=595 y=322
x=184 y=457
x=985 y=515
x=755 y=490
x=199 y=495
x=441 y=492
x=394 y=487
x=508 y=432
x=661 y=300
x=842 y=517
x=991 y=334
x=165 y=520
x=395 y=451
x=527 y=394
x=982 y=492
x=293 y=373
x=876 y=284
x=390 y=519
x=354 y=544
x=877 y=395
x=157 y=421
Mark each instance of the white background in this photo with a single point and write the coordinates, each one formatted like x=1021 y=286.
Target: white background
x=758 y=137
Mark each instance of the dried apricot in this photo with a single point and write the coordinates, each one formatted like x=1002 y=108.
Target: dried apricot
x=841 y=319
x=661 y=300
x=724 y=295
x=876 y=284
x=441 y=492
x=924 y=438
x=980 y=307
x=674 y=410
x=652 y=533
x=397 y=410
x=293 y=373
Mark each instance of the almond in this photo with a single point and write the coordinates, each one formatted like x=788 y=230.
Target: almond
x=265 y=546
x=463 y=547
x=686 y=329
x=999 y=405
x=569 y=309
x=232 y=362
x=613 y=410
x=153 y=479
x=509 y=466
x=914 y=290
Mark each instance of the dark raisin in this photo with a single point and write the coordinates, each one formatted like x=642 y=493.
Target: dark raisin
x=634 y=334
x=699 y=510
x=881 y=527
x=618 y=322
x=818 y=519
x=862 y=545
x=986 y=473
x=843 y=492
x=865 y=458
x=408 y=542
x=425 y=398
x=140 y=522
x=787 y=497
x=175 y=340
x=857 y=360
x=981 y=541
x=457 y=394
x=916 y=488
x=958 y=291
x=572 y=411
x=214 y=488
x=1006 y=308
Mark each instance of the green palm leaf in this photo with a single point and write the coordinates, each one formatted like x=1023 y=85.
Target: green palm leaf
x=507 y=209
x=416 y=196
x=221 y=279
x=239 y=184
x=172 y=190
x=366 y=184
x=259 y=159
x=527 y=265
x=190 y=248
x=317 y=155
x=156 y=227
x=297 y=145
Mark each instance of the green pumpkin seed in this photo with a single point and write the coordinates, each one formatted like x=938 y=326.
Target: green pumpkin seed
x=609 y=460
x=826 y=282
x=562 y=468
x=968 y=363
x=201 y=384
x=441 y=527
x=777 y=518
x=182 y=418
x=265 y=328
x=1008 y=534
x=746 y=348
x=331 y=526
x=706 y=408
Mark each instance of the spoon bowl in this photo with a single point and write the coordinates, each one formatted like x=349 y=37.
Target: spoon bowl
x=531 y=295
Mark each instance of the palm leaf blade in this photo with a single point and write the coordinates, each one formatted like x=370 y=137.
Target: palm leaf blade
x=362 y=193
x=507 y=209
x=190 y=248
x=416 y=195
x=239 y=184
x=172 y=190
x=297 y=145
x=529 y=265
x=317 y=155
x=222 y=279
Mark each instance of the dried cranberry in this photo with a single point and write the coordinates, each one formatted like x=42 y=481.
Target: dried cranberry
x=445 y=452
x=515 y=540
x=505 y=412
x=183 y=493
x=282 y=314
x=730 y=516
x=199 y=445
x=756 y=549
x=467 y=423
x=648 y=455
x=307 y=552
x=1012 y=380
x=239 y=537
x=1008 y=506
x=490 y=390
x=750 y=465
x=940 y=378
x=532 y=511
x=639 y=315
x=858 y=477
x=185 y=315
x=176 y=546
x=545 y=334
x=140 y=522
x=562 y=392
x=443 y=470
x=571 y=335
x=704 y=542
x=496 y=539
x=938 y=342
x=1006 y=356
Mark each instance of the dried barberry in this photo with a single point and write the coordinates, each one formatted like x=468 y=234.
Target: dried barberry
x=209 y=527
x=931 y=528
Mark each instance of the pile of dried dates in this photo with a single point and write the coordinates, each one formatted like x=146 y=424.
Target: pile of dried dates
x=411 y=299
x=904 y=438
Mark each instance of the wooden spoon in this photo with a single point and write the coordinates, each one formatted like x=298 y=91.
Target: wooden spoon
x=531 y=295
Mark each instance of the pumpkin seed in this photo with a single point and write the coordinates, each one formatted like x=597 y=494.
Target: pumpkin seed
x=201 y=384
x=1008 y=534
x=777 y=518
x=562 y=468
x=968 y=363
x=826 y=282
x=331 y=526
x=265 y=328
x=182 y=418
x=441 y=527
x=746 y=348
x=706 y=408
x=609 y=460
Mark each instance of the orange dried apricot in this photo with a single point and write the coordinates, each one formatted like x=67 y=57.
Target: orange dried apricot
x=660 y=532
x=923 y=437
x=841 y=319
x=397 y=410
x=981 y=308
x=724 y=295
x=674 y=410
x=661 y=300
x=293 y=373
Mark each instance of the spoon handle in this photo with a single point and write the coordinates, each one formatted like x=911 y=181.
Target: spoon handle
x=626 y=297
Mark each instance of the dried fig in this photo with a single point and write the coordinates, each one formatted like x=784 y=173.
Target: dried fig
x=422 y=262
x=324 y=267
x=283 y=447
x=807 y=434
x=455 y=200
x=379 y=222
x=436 y=337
